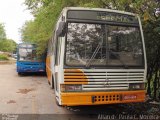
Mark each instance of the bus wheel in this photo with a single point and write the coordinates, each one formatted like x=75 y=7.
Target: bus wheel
x=58 y=103
x=49 y=82
x=19 y=73
x=52 y=83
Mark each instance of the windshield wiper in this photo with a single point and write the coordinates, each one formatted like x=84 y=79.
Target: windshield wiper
x=124 y=65
x=94 y=54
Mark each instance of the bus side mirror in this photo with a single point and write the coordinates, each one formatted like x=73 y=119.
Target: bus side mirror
x=61 y=29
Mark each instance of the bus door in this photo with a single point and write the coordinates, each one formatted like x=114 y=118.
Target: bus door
x=57 y=66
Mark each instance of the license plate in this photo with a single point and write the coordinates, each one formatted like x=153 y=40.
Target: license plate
x=129 y=97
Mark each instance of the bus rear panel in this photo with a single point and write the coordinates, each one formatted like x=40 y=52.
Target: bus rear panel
x=27 y=60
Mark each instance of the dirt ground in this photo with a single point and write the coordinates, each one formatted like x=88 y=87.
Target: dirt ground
x=30 y=97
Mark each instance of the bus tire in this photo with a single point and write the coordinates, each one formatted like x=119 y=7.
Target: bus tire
x=58 y=103
x=52 y=82
x=20 y=73
x=49 y=82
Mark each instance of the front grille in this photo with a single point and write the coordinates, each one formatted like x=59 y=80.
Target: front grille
x=99 y=80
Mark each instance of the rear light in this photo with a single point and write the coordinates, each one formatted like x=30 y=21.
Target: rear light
x=71 y=88
x=41 y=70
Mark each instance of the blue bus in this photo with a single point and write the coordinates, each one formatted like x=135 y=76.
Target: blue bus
x=28 y=60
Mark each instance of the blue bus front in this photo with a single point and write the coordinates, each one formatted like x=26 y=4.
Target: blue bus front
x=27 y=60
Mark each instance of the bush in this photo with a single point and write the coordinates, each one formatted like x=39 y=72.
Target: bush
x=3 y=57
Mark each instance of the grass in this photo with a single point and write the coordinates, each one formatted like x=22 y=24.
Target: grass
x=3 y=57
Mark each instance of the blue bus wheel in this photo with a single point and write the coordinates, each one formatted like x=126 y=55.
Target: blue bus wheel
x=19 y=73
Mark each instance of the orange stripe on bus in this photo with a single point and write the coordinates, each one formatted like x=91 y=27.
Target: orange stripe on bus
x=75 y=76
x=72 y=70
x=48 y=68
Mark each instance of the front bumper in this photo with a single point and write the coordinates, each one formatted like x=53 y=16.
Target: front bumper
x=97 y=98
x=29 y=70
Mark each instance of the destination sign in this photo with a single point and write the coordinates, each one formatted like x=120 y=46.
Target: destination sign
x=101 y=16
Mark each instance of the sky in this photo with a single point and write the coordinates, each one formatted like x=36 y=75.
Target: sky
x=13 y=14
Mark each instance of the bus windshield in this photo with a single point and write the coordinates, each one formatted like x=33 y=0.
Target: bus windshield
x=27 y=53
x=103 y=45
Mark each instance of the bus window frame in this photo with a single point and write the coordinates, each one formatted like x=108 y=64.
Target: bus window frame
x=142 y=66
x=57 y=50
x=32 y=48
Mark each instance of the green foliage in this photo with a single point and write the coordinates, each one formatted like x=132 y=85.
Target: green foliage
x=40 y=30
x=27 y=31
x=3 y=57
x=7 y=45
x=152 y=40
x=46 y=13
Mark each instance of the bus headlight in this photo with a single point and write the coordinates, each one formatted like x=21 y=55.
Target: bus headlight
x=70 y=88
x=136 y=86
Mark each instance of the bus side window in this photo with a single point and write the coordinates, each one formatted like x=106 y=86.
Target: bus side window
x=53 y=43
x=57 y=54
x=48 y=48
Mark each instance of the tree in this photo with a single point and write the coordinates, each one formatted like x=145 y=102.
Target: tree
x=152 y=39
x=7 y=45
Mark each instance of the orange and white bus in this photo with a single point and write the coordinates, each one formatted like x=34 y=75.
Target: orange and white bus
x=97 y=56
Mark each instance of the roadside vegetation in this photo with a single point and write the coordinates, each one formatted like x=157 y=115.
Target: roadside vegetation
x=6 y=45
x=3 y=57
x=46 y=13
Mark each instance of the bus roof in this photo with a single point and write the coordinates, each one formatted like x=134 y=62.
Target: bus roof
x=98 y=9
x=26 y=45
